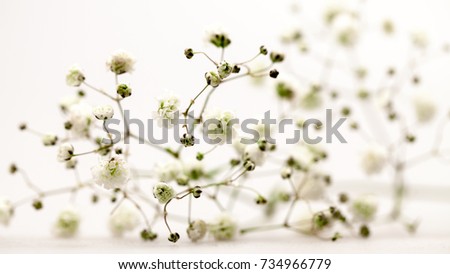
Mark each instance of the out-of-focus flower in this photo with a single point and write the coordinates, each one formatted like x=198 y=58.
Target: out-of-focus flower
x=124 y=219
x=67 y=223
x=419 y=39
x=197 y=230
x=373 y=159
x=223 y=228
x=6 y=211
x=345 y=29
x=218 y=126
x=364 y=208
x=75 y=77
x=424 y=107
x=80 y=117
x=49 y=140
x=218 y=37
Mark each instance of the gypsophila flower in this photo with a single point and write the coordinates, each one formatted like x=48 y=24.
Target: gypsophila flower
x=313 y=186
x=67 y=223
x=80 y=117
x=364 y=208
x=223 y=228
x=212 y=79
x=197 y=230
x=72 y=163
x=345 y=30
x=163 y=192
x=332 y=11
x=169 y=172
x=424 y=107
x=419 y=39
x=68 y=101
x=218 y=126
x=49 y=140
x=287 y=88
x=218 y=37
x=103 y=112
x=311 y=100
x=111 y=173
x=168 y=108
x=6 y=211
x=75 y=77
x=291 y=34
x=194 y=170
x=120 y=62
x=224 y=69
x=124 y=219
x=65 y=152
x=124 y=91
x=373 y=159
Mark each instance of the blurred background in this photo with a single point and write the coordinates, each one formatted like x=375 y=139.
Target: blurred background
x=42 y=39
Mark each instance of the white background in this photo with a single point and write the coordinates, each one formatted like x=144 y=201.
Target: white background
x=40 y=40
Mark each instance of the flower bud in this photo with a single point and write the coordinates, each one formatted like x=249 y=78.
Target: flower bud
x=174 y=237
x=65 y=152
x=212 y=79
x=124 y=90
x=224 y=69
x=163 y=192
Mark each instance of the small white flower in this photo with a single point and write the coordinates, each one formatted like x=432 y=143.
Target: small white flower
x=125 y=218
x=373 y=159
x=194 y=170
x=168 y=172
x=311 y=100
x=168 y=106
x=80 y=117
x=291 y=34
x=218 y=126
x=254 y=154
x=65 y=152
x=424 y=107
x=224 y=69
x=313 y=187
x=67 y=223
x=305 y=221
x=419 y=39
x=212 y=79
x=120 y=62
x=223 y=228
x=68 y=101
x=103 y=112
x=332 y=11
x=6 y=211
x=364 y=207
x=287 y=87
x=75 y=77
x=49 y=140
x=218 y=37
x=163 y=192
x=197 y=230
x=111 y=174
x=345 y=29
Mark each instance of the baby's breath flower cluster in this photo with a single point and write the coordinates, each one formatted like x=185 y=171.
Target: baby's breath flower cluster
x=299 y=175
x=112 y=177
